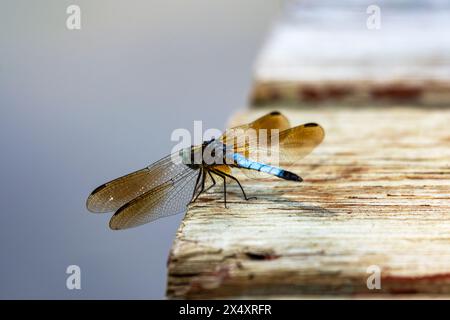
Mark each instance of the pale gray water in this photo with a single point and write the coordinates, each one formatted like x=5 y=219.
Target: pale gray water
x=78 y=108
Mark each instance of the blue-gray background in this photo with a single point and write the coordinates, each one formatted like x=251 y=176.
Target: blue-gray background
x=78 y=108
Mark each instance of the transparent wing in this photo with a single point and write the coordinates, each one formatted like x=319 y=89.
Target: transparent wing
x=292 y=145
x=169 y=198
x=114 y=194
x=273 y=120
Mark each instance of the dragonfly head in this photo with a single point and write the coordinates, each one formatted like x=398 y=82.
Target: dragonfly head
x=205 y=143
x=185 y=155
x=191 y=156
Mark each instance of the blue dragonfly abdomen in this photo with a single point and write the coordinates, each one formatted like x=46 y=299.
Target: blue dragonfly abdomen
x=243 y=162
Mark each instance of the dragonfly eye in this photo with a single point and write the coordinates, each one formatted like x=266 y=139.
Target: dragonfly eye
x=185 y=155
x=206 y=142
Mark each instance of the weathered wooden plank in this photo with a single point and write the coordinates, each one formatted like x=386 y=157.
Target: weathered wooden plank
x=376 y=192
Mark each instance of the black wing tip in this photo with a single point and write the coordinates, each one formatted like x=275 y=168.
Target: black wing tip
x=112 y=226
x=91 y=195
x=99 y=188
x=315 y=125
x=275 y=113
x=112 y=223
x=89 y=207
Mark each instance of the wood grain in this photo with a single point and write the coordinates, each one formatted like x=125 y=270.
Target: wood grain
x=376 y=192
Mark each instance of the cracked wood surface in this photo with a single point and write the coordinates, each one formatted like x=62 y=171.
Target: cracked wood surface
x=375 y=192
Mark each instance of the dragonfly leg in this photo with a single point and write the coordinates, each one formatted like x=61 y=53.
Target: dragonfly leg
x=225 y=191
x=196 y=184
x=212 y=178
x=242 y=189
x=222 y=175
x=202 y=185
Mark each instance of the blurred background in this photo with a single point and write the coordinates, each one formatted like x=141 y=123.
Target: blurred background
x=80 y=107
x=357 y=53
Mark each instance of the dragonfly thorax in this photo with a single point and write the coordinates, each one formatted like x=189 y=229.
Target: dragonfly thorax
x=209 y=153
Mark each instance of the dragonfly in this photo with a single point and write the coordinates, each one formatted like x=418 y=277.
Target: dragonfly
x=169 y=185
